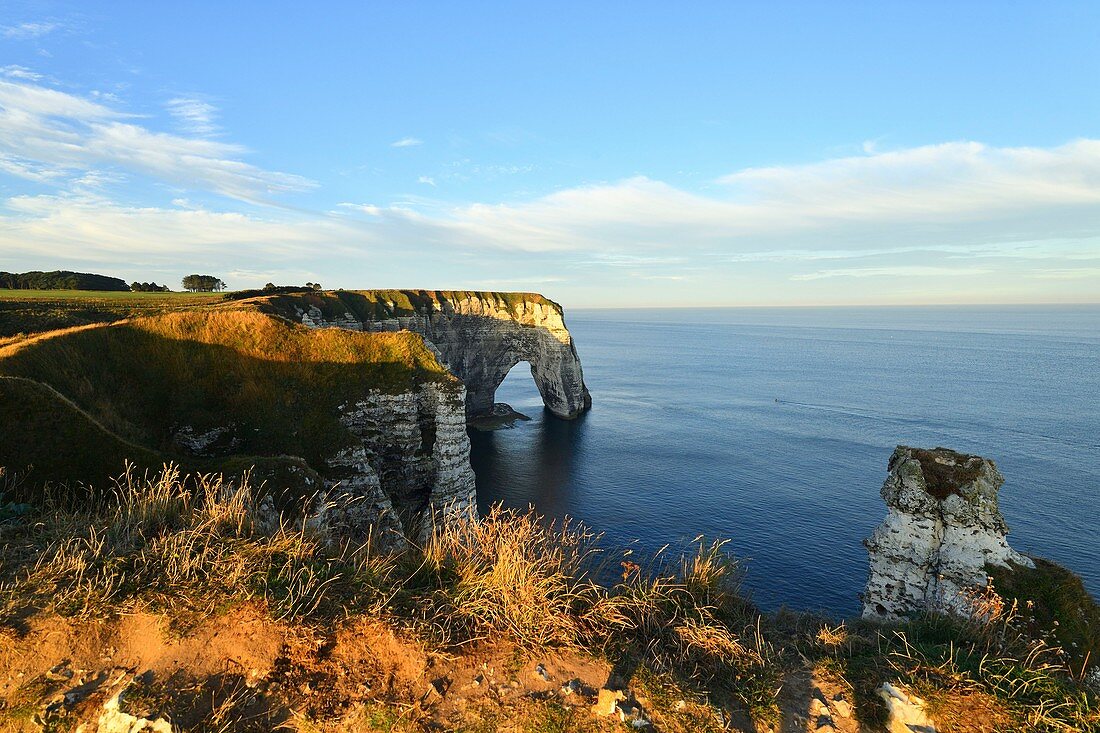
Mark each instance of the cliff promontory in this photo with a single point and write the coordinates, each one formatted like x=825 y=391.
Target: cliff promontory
x=478 y=335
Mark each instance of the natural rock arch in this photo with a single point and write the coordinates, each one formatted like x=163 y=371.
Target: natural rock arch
x=479 y=336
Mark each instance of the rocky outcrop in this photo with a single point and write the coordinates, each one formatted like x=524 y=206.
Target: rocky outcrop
x=942 y=529
x=409 y=467
x=479 y=336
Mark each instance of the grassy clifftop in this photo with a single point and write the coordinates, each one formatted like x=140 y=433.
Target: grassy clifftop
x=212 y=618
x=273 y=386
x=373 y=305
x=24 y=312
x=28 y=312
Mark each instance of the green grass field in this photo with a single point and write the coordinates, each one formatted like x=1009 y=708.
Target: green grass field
x=28 y=312
x=93 y=296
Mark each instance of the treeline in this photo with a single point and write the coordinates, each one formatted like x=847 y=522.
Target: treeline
x=149 y=288
x=60 y=280
x=273 y=289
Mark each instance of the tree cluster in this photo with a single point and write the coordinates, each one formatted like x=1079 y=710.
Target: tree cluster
x=272 y=287
x=148 y=287
x=60 y=280
x=203 y=284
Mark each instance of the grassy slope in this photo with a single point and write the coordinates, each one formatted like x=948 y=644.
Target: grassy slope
x=27 y=312
x=45 y=438
x=277 y=384
x=93 y=296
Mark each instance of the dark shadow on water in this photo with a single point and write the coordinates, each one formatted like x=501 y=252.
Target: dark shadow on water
x=532 y=463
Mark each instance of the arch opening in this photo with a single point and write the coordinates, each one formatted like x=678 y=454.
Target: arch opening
x=512 y=395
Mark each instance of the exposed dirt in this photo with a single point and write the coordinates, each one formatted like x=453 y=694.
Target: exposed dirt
x=257 y=674
x=241 y=671
x=811 y=701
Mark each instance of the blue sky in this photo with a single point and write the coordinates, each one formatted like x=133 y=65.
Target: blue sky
x=602 y=153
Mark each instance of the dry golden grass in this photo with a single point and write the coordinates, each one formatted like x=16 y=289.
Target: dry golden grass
x=165 y=543
x=260 y=336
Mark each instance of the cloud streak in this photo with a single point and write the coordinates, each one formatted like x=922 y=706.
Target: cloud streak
x=47 y=134
x=954 y=212
x=943 y=195
x=407 y=142
x=194 y=115
x=28 y=31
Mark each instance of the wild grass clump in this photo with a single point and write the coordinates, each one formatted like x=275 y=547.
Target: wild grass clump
x=994 y=650
x=510 y=574
x=188 y=544
x=513 y=575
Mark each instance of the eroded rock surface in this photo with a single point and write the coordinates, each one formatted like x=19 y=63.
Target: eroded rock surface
x=412 y=455
x=479 y=336
x=942 y=528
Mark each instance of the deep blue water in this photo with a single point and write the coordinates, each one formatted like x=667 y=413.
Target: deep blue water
x=686 y=435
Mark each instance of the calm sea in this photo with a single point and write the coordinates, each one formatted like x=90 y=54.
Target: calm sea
x=772 y=427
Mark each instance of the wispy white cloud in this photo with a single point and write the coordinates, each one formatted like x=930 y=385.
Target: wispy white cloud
x=15 y=71
x=92 y=227
x=46 y=134
x=407 y=142
x=27 y=31
x=1067 y=273
x=913 y=223
x=369 y=209
x=952 y=195
x=194 y=115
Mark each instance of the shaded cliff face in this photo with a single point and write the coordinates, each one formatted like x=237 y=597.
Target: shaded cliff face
x=942 y=529
x=479 y=336
x=375 y=418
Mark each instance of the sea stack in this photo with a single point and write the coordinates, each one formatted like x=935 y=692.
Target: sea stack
x=942 y=529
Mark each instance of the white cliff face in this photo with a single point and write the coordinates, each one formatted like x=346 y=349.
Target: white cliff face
x=480 y=337
x=410 y=466
x=942 y=528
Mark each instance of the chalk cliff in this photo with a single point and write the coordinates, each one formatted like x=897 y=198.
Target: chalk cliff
x=410 y=460
x=479 y=336
x=942 y=529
